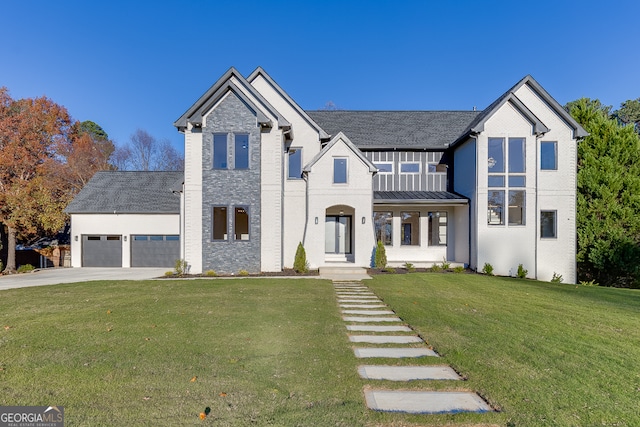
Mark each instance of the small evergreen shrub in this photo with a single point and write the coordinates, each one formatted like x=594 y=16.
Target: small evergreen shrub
x=380 y=260
x=445 y=264
x=243 y=273
x=389 y=270
x=168 y=273
x=458 y=269
x=211 y=273
x=436 y=268
x=180 y=267
x=487 y=269
x=522 y=273
x=410 y=267
x=557 y=278
x=300 y=264
x=25 y=268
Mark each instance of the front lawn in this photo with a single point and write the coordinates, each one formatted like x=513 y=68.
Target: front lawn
x=275 y=351
x=545 y=354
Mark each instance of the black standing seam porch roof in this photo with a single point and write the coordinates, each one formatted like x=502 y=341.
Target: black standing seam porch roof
x=418 y=197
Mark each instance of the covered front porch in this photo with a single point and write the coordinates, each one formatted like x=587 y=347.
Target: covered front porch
x=422 y=227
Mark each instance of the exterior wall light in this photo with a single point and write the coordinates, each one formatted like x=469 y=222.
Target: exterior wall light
x=364 y=220
x=75 y=238
x=316 y=220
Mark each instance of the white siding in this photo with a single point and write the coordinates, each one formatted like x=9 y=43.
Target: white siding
x=193 y=200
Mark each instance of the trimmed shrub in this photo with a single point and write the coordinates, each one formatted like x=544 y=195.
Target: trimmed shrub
x=458 y=269
x=436 y=268
x=180 y=267
x=557 y=278
x=522 y=273
x=487 y=269
x=410 y=267
x=300 y=264
x=380 y=260
x=243 y=273
x=210 y=273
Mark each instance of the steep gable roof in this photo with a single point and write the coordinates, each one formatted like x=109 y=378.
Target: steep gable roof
x=477 y=125
x=380 y=130
x=260 y=72
x=128 y=192
x=220 y=88
x=334 y=141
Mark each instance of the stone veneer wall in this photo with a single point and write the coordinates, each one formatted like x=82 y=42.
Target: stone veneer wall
x=231 y=188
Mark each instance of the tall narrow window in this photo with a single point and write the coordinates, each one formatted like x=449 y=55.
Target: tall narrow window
x=241 y=223
x=437 y=228
x=496 y=155
x=219 y=223
x=548 y=225
x=295 y=163
x=516 y=207
x=340 y=171
x=241 y=151
x=383 y=227
x=549 y=155
x=220 y=151
x=410 y=228
x=516 y=155
x=495 y=207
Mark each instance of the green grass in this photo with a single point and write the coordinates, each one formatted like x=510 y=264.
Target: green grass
x=544 y=354
x=275 y=352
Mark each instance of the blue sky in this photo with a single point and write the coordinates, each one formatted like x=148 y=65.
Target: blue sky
x=141 y=64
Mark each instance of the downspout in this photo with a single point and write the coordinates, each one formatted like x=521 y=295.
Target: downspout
x=473 y=225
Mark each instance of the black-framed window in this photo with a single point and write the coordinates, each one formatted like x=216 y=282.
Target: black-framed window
x=295 y=163
x=220 y=223
x=548 y=224
x=241 y=151
x=506 y=166
x=340 y=170
x=241 y=223
x=410 y=228
x=548 y=155
x=220 y=151
x=383 y=223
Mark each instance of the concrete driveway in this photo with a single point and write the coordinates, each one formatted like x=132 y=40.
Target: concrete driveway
x=53 y=276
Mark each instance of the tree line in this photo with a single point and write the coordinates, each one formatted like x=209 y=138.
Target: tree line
x=46 y=158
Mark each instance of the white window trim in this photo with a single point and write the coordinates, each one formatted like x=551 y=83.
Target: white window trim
x=411 y=163
x=555 y=224
x=384 y=172
x=296 y=149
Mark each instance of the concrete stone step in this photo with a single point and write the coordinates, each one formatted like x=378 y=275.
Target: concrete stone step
x=407 y=373
x=361 y=301
x=386 y=339
x=362 y=306
x=393 y=353
x=368 y=312
x=425 y=402
x=379 y=328
x=370 y=319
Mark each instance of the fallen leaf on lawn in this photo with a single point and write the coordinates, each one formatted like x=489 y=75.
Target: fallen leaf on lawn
x=147 y=339
x=193 y=380
x=109 y=329
x=108 y=311
x=6 y=328
x=203 y=415
x=223 y=394
x=146 y=398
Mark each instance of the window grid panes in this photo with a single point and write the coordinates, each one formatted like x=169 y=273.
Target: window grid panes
x=383 y=223
x=410 y=228
x=505 y=178
x=295 y=163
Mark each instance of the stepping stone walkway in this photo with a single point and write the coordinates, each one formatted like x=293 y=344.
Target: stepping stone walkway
x=365 y=312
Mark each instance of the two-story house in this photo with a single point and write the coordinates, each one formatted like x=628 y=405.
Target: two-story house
x=261 y=175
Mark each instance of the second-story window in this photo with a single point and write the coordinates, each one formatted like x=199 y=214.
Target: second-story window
x=506 y=180
x=220 y=151
x=410 y=167
x=384 y=167
x=339 y=170
x=241 y=151
x=295 y=163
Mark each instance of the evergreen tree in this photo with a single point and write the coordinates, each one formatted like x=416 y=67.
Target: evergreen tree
x=608 y=205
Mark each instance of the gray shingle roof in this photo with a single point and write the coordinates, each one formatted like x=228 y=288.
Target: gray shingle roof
x=396 y=129
x=128 y=192
x=434 y=197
